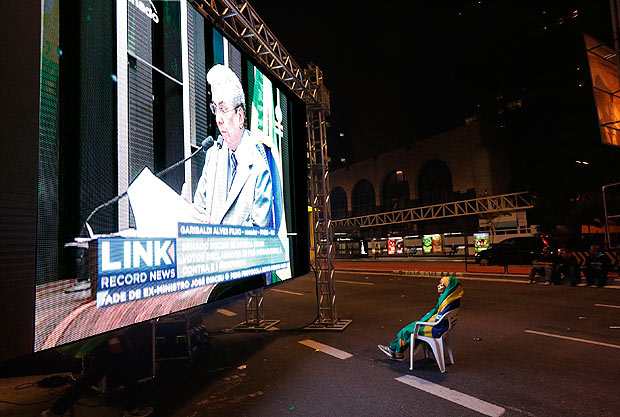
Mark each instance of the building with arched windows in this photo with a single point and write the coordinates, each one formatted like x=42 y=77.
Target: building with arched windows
x=548 y=128
x=460 y=164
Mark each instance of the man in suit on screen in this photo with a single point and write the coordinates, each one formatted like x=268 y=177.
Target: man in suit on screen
x=236 y=185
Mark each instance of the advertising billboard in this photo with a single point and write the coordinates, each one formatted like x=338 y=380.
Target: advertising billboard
x=395 y=245
x=432 y=243
x=604 y=72
x=427 y=243
x=120 y=237
x=481 y=241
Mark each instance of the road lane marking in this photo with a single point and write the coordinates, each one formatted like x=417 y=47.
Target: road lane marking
x=606 y=305
x=226 y=312
x=456 y=397
x=353 y=282
x=337 y=353
x=519 y=279
x=437 y=277
x=287 y=292
x=338 y=271
x=574 y=339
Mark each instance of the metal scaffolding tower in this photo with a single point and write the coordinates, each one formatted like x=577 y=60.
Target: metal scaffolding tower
x=238 y=20
x=319 y=199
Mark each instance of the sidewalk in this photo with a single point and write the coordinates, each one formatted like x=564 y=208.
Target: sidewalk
x=411 y=267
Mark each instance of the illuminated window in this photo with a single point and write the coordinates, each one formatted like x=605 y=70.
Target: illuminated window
x=471 y=119
x=515 y=104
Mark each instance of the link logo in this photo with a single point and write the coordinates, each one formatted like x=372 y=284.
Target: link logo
x=132 y=254
x=149 y=10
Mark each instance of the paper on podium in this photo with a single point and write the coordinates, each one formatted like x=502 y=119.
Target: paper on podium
x=157 y=208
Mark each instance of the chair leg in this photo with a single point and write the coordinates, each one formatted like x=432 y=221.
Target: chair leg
x=413 y=350
x=438 y=352
x=448 y=349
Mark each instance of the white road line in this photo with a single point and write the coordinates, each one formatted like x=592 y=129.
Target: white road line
x=574 y=339
x=365 y=272
x=461 y=278
x=434 y=277
x=337 y=353
x=287 y=292
x=607 y=305
x=353 y=282
x=226 y=312
x=456 y=397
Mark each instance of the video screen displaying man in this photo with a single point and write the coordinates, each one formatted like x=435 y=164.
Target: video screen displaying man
x=236 y=186
x=158 y=253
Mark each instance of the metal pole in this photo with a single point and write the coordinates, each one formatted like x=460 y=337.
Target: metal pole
x=466 y=250
x=607 y=239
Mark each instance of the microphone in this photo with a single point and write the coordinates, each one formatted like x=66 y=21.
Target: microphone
x=204 y=145
x=207 y=143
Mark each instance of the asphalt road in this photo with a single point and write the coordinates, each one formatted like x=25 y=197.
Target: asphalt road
x=520 y=350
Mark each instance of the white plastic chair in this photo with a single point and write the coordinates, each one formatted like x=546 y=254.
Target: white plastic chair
x=439 y=346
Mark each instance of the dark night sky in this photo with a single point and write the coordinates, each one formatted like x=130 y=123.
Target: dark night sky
x=399 y=74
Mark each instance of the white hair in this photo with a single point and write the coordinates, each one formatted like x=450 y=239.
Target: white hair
x=223 y=77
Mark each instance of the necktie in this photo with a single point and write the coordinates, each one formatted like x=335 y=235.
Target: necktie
x=233 y=169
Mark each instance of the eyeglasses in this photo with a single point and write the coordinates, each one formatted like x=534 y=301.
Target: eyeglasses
x=219 y=109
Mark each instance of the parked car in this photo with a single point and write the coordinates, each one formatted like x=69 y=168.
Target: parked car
x=512 y=251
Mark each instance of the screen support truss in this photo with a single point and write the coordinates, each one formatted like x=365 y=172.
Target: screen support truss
x=319 y=197
x=239 y=21
x=255 y=313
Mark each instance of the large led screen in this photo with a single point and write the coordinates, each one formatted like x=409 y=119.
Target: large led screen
x=128 y=89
